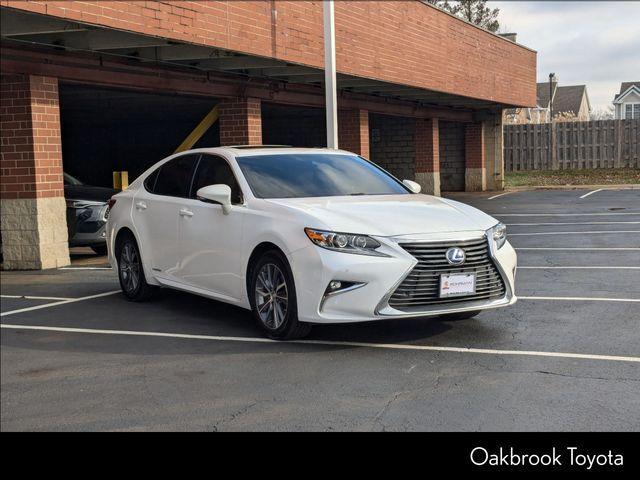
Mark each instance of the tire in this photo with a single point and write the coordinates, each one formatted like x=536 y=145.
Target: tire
x=131 y=272
x=460 y=315
x=100 y=249
x=272 y=295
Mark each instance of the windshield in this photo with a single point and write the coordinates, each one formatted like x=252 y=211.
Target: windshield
x=69 y=180
x=316 y=175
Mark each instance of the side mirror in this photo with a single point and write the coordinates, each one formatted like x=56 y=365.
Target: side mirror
x=217 y=193
x=411 y=185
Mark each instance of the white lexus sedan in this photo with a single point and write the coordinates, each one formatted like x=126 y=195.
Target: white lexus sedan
x=304 y=236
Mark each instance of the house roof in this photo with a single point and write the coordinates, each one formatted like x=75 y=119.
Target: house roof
x=569 y=99
x=625 y=86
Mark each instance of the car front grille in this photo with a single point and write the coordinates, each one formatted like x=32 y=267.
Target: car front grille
x=421 y=288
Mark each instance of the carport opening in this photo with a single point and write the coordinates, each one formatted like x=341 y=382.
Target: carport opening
x=391 y=141
x=452 y=156
x=294 y=126
x=106 y=130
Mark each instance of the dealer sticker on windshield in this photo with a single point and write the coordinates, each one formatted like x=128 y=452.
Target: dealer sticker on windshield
x=457 y=284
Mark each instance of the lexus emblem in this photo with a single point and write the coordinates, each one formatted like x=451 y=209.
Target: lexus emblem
x=456 y=256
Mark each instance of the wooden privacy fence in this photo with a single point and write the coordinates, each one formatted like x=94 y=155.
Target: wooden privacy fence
x=595 y=144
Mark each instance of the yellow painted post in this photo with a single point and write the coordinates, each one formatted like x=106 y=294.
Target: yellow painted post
x=200 y=130
x=120 y=180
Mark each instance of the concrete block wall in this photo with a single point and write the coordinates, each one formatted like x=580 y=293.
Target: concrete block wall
x=452 y=156
x=392 y=144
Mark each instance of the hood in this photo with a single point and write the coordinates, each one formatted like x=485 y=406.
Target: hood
x=88 y=193
x=389 y=215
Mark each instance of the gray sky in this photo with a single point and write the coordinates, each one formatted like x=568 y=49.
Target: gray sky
x=595 y=43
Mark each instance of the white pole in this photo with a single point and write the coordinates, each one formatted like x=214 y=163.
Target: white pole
x=330 y=75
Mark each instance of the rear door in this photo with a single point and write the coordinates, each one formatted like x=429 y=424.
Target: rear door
x=210 y=240
x=156 y=214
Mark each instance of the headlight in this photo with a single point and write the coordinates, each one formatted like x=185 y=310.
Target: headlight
x=345 y=242
x=499 y=233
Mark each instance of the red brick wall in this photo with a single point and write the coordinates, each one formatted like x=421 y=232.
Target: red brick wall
x=474 y=145
x=240 y=122
x=31 y=151
x=353 y=131
x=427 y=145
x=405 y=42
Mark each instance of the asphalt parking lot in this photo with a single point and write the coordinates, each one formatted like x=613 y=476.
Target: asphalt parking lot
x=76 y=356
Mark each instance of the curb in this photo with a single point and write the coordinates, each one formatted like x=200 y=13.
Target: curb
x=630 y=186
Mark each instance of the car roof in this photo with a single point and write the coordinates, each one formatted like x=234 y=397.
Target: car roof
x=251 y=150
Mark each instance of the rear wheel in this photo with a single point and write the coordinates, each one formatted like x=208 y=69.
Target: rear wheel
x=131 y=273
x=273 y=298
x=460 y=315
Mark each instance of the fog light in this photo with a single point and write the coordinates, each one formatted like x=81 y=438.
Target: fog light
x=334 y=285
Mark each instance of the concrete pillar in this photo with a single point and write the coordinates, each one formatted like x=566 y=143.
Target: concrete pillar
x=475 y=175
x=240 y=122
x=353 y=131
x=427 y=155
x=33 y=213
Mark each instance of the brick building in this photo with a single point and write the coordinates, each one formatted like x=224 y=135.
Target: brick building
x=100 y=86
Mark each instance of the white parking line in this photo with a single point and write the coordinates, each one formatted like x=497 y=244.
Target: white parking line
x=30 y=297
x=499 y=195
x=570 y=249
x=569 y=223
x=591 y=193
x=85 y=268
x=560 y=214
x=608 y=232
x=585 y=268
x=582 y=299
x=390 y=346
x=55 y=304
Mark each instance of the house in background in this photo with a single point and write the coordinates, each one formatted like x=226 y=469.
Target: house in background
x=570 y=102
x=627 y=102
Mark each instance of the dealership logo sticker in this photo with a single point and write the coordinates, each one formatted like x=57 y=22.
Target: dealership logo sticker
x=455 y=256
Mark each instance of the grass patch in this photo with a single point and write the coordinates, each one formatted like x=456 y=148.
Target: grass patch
x=595 y=176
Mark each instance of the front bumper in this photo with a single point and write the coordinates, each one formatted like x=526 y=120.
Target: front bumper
x=86 y=222
x=378 y=277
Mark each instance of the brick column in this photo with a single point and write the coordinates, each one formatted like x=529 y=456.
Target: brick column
x=427 y=155
x=240 y=122
x=475 y=167
x=33 y=214
x=494 y=153
x=353 y=131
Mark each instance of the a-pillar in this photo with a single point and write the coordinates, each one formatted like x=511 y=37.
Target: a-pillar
x=427 y=156
x=33 y=213
x=240 y=121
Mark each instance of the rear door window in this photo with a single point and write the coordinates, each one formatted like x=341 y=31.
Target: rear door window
x=174 y=177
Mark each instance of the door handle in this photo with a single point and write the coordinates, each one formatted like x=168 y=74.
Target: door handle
x=141 y=206
x=186 y=213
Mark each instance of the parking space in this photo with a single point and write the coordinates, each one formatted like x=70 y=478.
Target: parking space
x=565 y=357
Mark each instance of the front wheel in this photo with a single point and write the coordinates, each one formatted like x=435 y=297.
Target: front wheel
x=131 y=273
x=273 y=298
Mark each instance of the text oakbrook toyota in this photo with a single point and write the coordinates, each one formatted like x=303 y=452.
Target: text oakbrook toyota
x=303 y=236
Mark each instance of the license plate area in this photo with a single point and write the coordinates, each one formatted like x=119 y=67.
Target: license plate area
x=457 y=284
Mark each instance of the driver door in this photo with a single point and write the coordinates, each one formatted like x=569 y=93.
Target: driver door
x=210 y=240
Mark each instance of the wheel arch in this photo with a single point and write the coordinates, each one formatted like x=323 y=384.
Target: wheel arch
x=256 y=253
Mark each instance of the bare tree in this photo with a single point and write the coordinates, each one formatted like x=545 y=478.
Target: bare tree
x=606 y=113
x=474 y=11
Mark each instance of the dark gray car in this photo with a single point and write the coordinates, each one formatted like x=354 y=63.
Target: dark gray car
x=87 y=212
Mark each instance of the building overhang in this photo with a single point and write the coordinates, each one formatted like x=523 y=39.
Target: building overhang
x=22 y=30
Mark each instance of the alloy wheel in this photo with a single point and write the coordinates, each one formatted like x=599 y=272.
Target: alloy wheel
x=272 y=297
x=129 y=267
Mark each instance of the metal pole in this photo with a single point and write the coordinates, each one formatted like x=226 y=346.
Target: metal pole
x=330 y=75
x=551 y=79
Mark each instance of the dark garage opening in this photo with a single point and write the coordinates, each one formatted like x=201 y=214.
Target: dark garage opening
x=106 y=130
x=294 y=126
x=452 y=156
